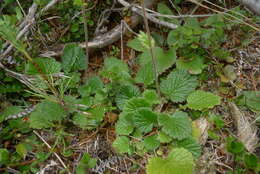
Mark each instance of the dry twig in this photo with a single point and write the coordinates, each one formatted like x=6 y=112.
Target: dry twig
x=49 y=147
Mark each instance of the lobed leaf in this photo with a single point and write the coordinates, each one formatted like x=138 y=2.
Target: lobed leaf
x=177 y=126
x=178 y=85
x=179 y=161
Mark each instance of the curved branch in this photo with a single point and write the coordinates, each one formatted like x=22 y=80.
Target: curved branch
x=104 y=39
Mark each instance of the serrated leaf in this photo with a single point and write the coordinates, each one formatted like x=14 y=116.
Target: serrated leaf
x=178 y=85
x=73 y=58
x=200 y=100
x=164 y=9
x=136 y=45
x=115 y=69
x=164 y=138
x=90 y=119
x=122 y=145
x=191 y=145
x=151 y=96
x=177 y=126
x=92 y=85
x=124 y=126
x=194 y=66
x=164 y=60
x=134 y=103
x=85 y=163
x=125 y=93
x=145 y=74
x=252 y=100
x=179 y=161
x=144 y=119
x=45 y=114
x=11 y=110
x=151 y=142
x=43 y=66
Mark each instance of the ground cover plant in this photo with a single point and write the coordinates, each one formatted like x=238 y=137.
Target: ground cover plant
x=156 y=87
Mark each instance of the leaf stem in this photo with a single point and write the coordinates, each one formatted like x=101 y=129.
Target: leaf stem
x=151 y=48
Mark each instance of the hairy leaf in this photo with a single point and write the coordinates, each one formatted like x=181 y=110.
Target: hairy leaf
x=115 y=69
x=45 y=114
x=90 y=119
x=191 y=145
x=151 y=96
x=194 y=66
x=45 y=66
x=125 y=93
x=124 y=125
x=91 y=87
x=177 y=125
x=164 y=60
x=151 y=142
x=73 y=58
x=11 y=110
x=164 y=138
x=144 y=119
x=122 y=145
x=133 y=104
x=200 y=100
x=178 y=85
x=179 y=161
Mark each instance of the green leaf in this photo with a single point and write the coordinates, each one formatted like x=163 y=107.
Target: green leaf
x=43 y=66
x=11 y=110
x=164 y=9
x=151 y=142
x=136 y=45
x=251 y=161
x=252 y=100
x=164 y=60
x=90 y=119
x=115 y=69
x=200 y=100
x=21 y=149
x=124 y=126
x=73 y=58
x=234 y=146
x=151 y=96
x=179 y=161
x=145 y=74
x=45 y=114
x=4 y=156
x=178 y=85
x=194 y=66
x=134 y=103
x=122 y=145
x=144 y=119
x=85 y=163
x=164 y=138
x=92 y=85
x=191 y=145
x=125 y=93
x=78 y=3
x=177 y=126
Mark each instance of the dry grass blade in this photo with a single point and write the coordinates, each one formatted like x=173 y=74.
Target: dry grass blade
x=246 y=131
x=49 y=147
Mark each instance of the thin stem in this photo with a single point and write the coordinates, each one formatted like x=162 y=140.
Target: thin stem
x=49 y=147
x=84 y=11
x=151 y=48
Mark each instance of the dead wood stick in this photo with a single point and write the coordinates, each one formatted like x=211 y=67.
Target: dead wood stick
x=102 y=40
